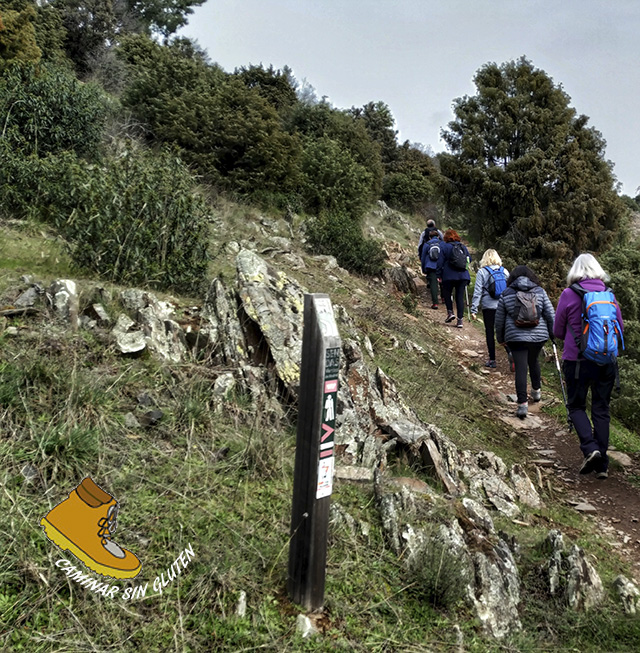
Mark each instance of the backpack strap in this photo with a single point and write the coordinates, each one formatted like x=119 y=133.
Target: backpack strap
x=581 y=292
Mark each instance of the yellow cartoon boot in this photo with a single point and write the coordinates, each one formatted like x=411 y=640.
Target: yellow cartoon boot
x=83 y=524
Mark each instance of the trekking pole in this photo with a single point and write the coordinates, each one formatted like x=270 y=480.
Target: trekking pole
x=466 y=291
x=564 y=392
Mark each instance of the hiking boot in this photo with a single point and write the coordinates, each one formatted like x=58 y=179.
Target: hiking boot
x=83 y=525
x=512 y=364
x=460 y=322
x=450 y=317
x=590 y=462
x=434 y=307
x=522 y=410
x=602 y=475
x=536 y=395
x=491 y=363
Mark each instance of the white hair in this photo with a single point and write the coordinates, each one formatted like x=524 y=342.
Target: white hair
x=586 y=267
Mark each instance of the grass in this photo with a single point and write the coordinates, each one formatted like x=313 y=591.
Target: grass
x=222 y=481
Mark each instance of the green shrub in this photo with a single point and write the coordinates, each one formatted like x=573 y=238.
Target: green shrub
x=140 y=220
x=47 y=110
x=626 y=406
x=341 y=236
x=223 y=129
x=439 y=575
x=332 y=179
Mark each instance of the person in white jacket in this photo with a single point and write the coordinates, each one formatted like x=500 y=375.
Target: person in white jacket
x=490 y=270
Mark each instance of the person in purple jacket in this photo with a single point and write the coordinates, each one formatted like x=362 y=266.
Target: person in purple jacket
x=594 y=441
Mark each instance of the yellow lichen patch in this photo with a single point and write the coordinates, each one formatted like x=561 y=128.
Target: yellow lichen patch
x=289 y=372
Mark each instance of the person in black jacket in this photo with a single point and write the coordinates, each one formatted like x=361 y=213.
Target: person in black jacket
x=524 y=331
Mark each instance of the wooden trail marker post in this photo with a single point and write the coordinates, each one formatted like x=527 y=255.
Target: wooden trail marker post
x=313 y=476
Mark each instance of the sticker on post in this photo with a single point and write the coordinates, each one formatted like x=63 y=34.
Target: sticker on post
x=325 y=477
x=326 y=320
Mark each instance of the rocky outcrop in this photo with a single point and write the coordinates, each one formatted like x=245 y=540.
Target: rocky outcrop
x=628 y=593
x=464 y=553
x=571 y=576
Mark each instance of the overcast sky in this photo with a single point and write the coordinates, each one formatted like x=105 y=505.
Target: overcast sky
x=419 y=55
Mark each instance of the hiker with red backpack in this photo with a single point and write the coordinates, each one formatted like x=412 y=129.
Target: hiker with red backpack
x=589 y=321
x=491 y=281
x=453 y=271
x=524 y=322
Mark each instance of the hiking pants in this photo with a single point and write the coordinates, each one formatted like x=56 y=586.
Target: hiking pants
x=525 y=356
x=489 y=319
x=433 y=285
x=448 y=287
x=601 y=379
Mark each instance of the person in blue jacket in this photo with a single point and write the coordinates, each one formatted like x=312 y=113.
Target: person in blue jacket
x=430 y=256
x=453 y=270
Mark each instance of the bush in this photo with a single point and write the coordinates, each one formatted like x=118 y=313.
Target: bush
x=46 y=110
x=332 y=180
x=341 y=236
x=136 y=219
x=140 y=220
x=626 y=406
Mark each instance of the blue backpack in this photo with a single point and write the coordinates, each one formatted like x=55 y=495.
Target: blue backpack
x=497 y=282
x=601 y=334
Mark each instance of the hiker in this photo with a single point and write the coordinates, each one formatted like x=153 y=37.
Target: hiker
x=430 y=256
x=425 y=235
x=491 y=281
x=581 y=373
x=452 y=269
x=524 y=321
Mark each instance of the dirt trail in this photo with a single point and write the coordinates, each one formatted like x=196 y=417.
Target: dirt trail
x=554 y=457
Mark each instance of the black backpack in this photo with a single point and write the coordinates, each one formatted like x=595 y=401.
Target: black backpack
x=526 y=313
x=458 y=257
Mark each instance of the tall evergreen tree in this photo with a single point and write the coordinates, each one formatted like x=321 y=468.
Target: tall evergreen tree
x=527 y=171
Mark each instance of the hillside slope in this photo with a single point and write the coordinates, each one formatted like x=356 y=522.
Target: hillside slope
x=199 y=449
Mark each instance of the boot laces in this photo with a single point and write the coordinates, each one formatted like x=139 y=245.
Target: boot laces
x=108 y=524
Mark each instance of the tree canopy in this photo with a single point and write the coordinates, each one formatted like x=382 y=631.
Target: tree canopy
x=526 y=170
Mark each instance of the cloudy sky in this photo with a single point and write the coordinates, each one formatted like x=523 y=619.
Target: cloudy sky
x=419 y=55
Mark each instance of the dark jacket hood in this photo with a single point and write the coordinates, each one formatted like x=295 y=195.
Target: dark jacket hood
x=523 y=283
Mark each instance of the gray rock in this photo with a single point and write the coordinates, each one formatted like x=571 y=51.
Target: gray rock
x=241 y=608
x=98 y=313
x=294 y=261
x=30 y=473
x=586 y=508
x=305 y=627
x=621 y=458
x=63 y=298
x=354 y=473
x=496 y=594
x=403 y=278
x=275 y=304
x=222 y=389
x=131 y=422
x=525 y=490
x=571 y=575
x=628 y=593
x=584 y=587
x=478 y=514
x=29 y=297
x=128 y=341
x=151 y=417
x=221 y=337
